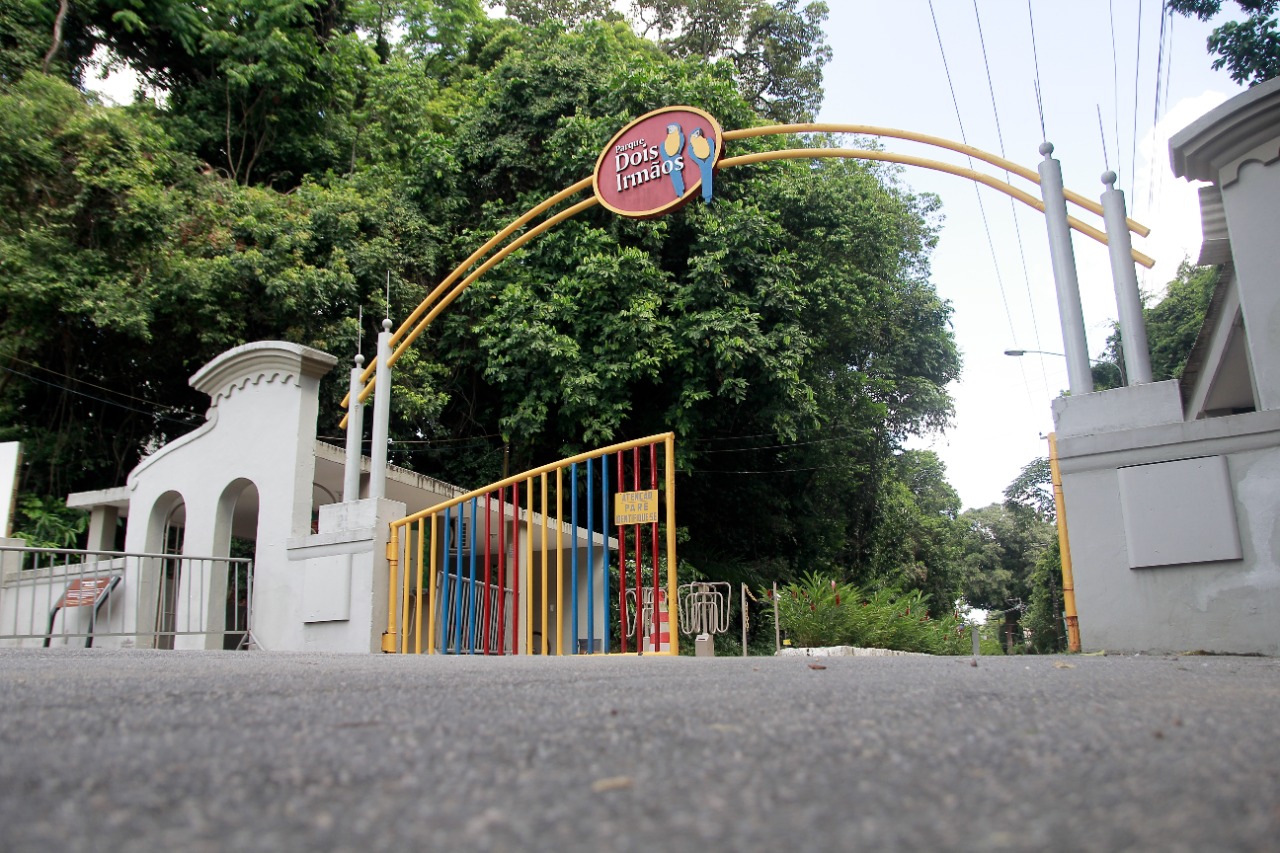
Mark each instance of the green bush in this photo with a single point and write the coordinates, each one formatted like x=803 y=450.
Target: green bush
x=820 y=611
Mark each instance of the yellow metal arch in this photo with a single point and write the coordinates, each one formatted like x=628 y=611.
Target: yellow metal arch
x=935 y=165
x=936 y=141
x=442 y=296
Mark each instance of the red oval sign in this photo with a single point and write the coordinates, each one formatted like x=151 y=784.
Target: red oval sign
x=658 y=162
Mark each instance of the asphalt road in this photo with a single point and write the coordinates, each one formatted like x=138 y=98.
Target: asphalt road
x=165 y=751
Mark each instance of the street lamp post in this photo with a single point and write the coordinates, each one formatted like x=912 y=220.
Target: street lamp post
x=1022 y=352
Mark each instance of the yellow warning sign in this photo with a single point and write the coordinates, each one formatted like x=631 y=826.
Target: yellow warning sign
x=635 y=507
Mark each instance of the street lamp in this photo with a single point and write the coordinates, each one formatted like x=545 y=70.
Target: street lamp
x=1021 y=352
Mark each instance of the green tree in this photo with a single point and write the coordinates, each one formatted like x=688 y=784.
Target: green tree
x=1172 y=327
x=1000 y=547
x=1248 y=49
x=776 y=50
x=1032 y=489
x=1030 y=496
x=788 y=332
x=917 y=533
x=1044 y=610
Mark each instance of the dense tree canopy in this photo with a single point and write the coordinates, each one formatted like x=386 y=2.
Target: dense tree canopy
x=307 y=152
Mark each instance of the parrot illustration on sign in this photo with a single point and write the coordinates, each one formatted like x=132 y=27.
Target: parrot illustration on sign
x=670 y=151
x=703 y=152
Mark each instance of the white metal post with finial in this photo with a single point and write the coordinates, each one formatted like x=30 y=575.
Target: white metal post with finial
x=1071 y=315
x=381 y=415
x=1133 y=330
x=355 y=434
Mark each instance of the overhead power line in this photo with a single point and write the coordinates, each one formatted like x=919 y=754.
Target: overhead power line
x=1013 y=208
x=955 y=102
x=1137 y=64
x=102 y=400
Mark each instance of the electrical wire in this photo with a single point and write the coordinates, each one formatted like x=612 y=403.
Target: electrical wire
x=1035 y=55
x=981 y=207
x=51 y=372
x=1013 y=208
x=780 y=446
x=692 y=472
x=98 y=399
x=1115 y=89
x=1137 y=65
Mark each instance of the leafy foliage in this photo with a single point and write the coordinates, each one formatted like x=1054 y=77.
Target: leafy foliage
x=1044 y=612
x=1248 y=49
x=308 y=152
x=1032 y=489
x=1172 y=327
x=48 y=523
x=818 y=611
x=777 y=50
x=1000 y=547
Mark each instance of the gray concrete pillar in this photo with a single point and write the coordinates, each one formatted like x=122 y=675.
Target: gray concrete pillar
x=1070 y=314
x=381 y=415
x=355 y=435
x=1133 y=330
x=102 y=528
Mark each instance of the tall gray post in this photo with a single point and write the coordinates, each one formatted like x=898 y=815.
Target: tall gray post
x=1070 y=313
x=381 y=415
x=1133 y=330
x=355 y=434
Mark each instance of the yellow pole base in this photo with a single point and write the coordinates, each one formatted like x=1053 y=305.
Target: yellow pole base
x=389 y=642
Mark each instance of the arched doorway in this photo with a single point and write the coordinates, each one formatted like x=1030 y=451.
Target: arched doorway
x=231 y=588
x=162 y=573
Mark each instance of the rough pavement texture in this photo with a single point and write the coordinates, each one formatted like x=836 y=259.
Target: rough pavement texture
x=148 y=751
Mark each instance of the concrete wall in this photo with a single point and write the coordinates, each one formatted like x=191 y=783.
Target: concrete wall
x=260 y=431
x=341 y=573
x=1175 y=530
x=1174 y=514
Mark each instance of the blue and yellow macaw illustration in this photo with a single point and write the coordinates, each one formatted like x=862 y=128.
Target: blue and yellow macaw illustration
x=670 y=151
x=703 y=152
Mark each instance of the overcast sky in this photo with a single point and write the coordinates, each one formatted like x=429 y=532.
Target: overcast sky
x=888 y=70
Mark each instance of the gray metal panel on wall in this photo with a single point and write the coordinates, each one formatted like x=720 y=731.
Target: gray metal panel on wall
x=1179 y=512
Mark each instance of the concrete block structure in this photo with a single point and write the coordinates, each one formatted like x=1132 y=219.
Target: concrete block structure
x=1172 y=489
x=253 y=480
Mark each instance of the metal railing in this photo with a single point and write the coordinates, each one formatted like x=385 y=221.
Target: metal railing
x=521 y=541
x=58 y=596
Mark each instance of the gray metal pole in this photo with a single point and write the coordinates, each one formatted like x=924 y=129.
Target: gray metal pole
x=744 y=620
x=355 y=435
x=381 y=416
x=1070 y=313
x=1133 y=330
x=973 y=629
x=777 y=627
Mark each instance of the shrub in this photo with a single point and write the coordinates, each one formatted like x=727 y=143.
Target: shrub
x=820 y=611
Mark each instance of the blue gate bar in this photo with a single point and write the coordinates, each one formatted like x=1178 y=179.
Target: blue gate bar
x=444 y=588
x=471 y=586
x=457 y=589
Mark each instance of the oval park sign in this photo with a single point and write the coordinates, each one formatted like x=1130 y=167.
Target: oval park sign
x=658 y=162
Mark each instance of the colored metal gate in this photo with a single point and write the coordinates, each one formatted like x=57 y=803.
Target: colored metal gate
x=493 y=571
